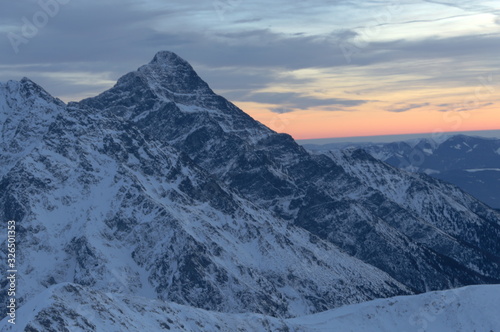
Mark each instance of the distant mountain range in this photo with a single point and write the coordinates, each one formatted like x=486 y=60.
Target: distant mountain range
x=471 y=163
x=159 y=199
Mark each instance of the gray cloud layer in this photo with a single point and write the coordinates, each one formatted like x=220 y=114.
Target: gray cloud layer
x=298 y=101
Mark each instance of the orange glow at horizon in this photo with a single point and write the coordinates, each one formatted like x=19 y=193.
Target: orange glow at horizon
x=410 y=102
x=311 y=124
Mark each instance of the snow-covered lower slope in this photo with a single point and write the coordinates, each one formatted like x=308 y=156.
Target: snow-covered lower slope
x=74 y=308
x=473 y=308
x=71 y=307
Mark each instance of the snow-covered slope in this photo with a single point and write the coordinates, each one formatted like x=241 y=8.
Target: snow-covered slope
x=100 y=206
x=71 y=307
x=313 y=192
x=472 y=308
x=161 y=189
x=434 y=214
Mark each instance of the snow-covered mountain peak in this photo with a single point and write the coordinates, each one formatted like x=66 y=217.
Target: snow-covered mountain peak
x=167 y=97
x=168 y=74
x=25 y=91
x=26 y=112
x=25 y=101
x=168 y=58
x=167 y=78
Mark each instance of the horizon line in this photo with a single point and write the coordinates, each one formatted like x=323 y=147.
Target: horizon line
x=489 y=133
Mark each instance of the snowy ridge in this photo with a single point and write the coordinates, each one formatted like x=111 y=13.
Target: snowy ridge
x=465 y=309
x=80 y=309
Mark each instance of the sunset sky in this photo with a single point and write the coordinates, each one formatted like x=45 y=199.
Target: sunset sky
x=312 y=68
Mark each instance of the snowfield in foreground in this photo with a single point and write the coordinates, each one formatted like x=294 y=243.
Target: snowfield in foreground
x=71 y=307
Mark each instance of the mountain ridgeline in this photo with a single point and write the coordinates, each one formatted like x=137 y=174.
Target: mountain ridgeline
x=471 y=163
x=161 y=189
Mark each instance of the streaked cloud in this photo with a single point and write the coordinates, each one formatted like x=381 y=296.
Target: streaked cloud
x=404 y=108
x=293 y=100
